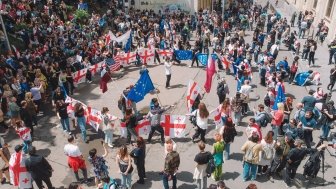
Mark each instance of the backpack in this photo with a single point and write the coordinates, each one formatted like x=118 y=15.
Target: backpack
x=249 y=154
x=210 y=167
x=268 y=153
x=221 y=89
x=229 y=135
x=113 y=182
x=267 y=100
x=267 y=119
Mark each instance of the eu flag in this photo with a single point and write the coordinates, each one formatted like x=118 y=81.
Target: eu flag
x=202 y=58
x=143 y=86
x=280 y=98
x=183 y=54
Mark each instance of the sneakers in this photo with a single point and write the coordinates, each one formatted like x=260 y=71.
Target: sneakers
x=271 y=179
x=110 y=145
x=190 y=66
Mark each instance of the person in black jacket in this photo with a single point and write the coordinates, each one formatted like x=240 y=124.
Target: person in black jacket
x=138 y=154
x=131 y=122
x=39 y=168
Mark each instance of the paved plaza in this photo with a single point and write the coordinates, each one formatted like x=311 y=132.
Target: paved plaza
x=51 y=138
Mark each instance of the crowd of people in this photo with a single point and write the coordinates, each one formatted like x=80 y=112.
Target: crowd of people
x=42 y=72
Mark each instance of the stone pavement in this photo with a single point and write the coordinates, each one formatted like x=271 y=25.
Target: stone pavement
x=51 y=139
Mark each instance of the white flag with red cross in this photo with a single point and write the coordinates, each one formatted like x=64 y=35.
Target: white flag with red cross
x=71 y=106
x=174 y=125
x=165 y=53
x=79 y=76
x=94 y=118
x=217 y=117
x=142 y=128
x=193 y=91
x=146 y=55
x=96 y=67
x=19 y=176
x=128 y=58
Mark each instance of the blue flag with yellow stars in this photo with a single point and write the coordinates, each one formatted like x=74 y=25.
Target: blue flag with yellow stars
x=143 y=86
x=183 y=55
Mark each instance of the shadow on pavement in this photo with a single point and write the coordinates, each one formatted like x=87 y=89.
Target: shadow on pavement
x=185 y=176
x=236 y=156
x=43 y=152
x=231 y=175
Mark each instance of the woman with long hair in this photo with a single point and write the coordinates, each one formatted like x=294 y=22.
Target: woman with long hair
x=31 y=106
x=228 y=133
x=225 y=109
x=266 y=156
x=202 y=115
x=217 y=153
x=124 y=162
x=288 y=109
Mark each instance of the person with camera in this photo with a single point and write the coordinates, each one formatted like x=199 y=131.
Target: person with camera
x=39 y=168
x=294 y=158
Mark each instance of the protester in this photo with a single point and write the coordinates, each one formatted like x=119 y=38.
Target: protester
x=124 y=163
x=139 y=154
x=168 y=70
x=130 y=120
x=171 y=165
x=217 y=153
x=228 y=132
x=107 y=127
x=201 y=115
x=98 y=163
x=19 y=178
x=75 y=159
x=201 y=159
x=39 y=168
x=251 y=150
x=81 y=120
x=62 y=113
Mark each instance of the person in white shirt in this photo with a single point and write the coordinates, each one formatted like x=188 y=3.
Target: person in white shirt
x=168 y=70
x=75 y=159
x=202 y=115
x=245 y=91
x=37 y=97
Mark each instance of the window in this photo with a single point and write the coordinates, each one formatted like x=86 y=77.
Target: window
x=329 y=8
x=315 y=4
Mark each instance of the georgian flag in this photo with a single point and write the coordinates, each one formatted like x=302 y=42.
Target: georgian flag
x=79 y=76
x=146 y=55
x=94 y=118
x=142 y=128
x=19 y=176
x=94 y=69
x=174 y=125
x=193 y=91
x=165 y=53
x=217 y=117
x=71 y=106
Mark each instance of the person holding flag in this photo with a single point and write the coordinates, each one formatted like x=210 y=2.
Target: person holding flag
x=24 y=133
x=19 y=176
x=154 y=115
x=202 y=116
x=81 y=121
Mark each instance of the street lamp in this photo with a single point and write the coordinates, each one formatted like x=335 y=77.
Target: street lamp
x=4 y=28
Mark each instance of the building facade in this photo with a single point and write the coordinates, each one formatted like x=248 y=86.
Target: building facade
x=322 y=9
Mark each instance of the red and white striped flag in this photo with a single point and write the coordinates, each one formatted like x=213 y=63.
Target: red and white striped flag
x=174 y=125
x=193 y=91
x=19 y=176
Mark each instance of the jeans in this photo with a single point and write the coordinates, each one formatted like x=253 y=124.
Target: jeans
x=236 y=117
x=199 y=132
x=302 y=33
x=202 y=183
x=165 y=181
x=65 y=124
x=311 y=58
x=290 y=173
x=84 y=171
x=226 y=151
x=126 y=180
x=81 y=124
x=152 y=131
x=308 y=137
x=131 y=132
x=45 y=180
x=249 y=169
x=108 y=137
x=275 y=130
x=325 y=130
x=168 y=80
